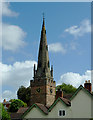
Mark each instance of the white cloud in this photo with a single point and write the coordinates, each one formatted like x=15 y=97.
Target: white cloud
x=75 y=79
x=77 y=31
x=57 y=47
x=13 y=76
x=6 y=11
x=12 y=37
x=17 y=74
x=20 y=73
x=7 y=94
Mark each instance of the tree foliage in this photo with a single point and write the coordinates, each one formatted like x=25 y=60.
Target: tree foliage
x=16 y=104
x=24 y=94
x=67 y=88
x=3 y=113
x=12 y=100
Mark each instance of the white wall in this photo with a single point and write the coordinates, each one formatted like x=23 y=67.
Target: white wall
x=81 y=105
x=36 y=113
x=80 y=108
x=57 y=107
x=91 y=107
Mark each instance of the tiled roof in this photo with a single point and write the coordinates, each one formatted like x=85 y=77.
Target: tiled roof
x=63 y=100
x=42 y=107
x=67 y=96
x=22 y=109
x=16 y=116
x=66 y=101
x=45 y=109
x=5 y=103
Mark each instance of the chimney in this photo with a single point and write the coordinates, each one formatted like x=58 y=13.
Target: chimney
x=59 y=93
x=4 y=100
x=88 y=85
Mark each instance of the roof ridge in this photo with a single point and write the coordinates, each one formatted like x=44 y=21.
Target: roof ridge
x=79 y=88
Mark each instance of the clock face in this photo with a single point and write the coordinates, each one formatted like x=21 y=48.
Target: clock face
x=38 y=90
x=51 y=90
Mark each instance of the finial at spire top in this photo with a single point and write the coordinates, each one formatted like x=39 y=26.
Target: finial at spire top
x=43 y=26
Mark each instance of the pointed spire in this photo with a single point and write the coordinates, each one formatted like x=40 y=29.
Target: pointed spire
x=51 y=70
x=43 y=68
x=43 y=20
x=43 y=25
x=34 y=70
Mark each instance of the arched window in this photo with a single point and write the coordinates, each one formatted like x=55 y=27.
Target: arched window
x=48 y=64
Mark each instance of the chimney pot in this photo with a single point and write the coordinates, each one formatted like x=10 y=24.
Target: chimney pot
x=4 y=100
x=88 y=85
x=88 y=81
x=58 y=89
x=59 y=93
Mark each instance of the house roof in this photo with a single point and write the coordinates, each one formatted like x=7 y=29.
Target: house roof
x=63 y=100
x=41 y=107
x=67 y=96
x=5 y=103
x=22 y=109
x=66 y=101
x=81 y=88
x=46 y=110
x=16 y=116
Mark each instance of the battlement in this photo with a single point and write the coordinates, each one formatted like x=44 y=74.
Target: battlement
x=40 y=82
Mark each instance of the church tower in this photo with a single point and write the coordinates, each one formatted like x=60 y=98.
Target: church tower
x=43 y=85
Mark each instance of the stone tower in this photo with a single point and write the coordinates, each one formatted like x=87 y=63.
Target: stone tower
x=42 y=85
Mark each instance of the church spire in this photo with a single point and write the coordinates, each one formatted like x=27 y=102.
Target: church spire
x=43 y=67
x=43 y=85
x=43 y=20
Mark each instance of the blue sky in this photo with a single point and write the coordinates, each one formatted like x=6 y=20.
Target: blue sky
x=68 y=37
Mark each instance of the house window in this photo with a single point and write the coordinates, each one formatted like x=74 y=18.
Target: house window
x=62 y=113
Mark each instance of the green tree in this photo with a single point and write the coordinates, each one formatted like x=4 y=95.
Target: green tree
x=67 y=88
x=11 y=100
x=24 y=94
x=3 y=113
x=16 y=104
